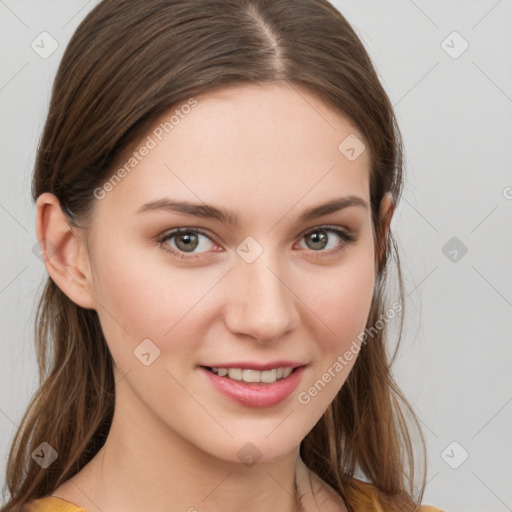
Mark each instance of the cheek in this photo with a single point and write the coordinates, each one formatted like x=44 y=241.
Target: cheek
x=341 y=298
x=344 y=309
x=340 y=301
x=139 y=289
x=142 y=298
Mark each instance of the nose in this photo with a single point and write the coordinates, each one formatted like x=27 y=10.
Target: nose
x=261 y=302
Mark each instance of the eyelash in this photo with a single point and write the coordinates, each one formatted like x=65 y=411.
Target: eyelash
x=345 y=236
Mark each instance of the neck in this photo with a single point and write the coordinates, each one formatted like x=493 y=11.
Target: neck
x=145 y=466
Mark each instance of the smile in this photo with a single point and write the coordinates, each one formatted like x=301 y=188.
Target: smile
x=254 y=384
x=251 y=376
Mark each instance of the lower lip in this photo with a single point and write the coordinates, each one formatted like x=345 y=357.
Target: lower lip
x=256 y=394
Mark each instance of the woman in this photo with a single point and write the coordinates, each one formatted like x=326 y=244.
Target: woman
x=214 y=189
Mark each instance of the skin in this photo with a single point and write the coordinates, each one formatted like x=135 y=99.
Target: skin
x=267 y=152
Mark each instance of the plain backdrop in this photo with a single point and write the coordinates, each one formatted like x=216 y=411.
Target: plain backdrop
x=447 y=67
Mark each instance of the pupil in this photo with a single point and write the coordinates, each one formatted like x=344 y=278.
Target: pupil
x=189 y=240
x=319 y=237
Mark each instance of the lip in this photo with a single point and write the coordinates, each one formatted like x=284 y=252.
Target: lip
x=252 y=365
x=255 y=395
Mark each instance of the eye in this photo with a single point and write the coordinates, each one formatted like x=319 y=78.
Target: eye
x=321 y=239
x=183 y=241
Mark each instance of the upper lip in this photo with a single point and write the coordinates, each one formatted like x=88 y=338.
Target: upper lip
x=251 y=365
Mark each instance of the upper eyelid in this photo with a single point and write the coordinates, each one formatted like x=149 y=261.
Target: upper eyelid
x=326 y=226
x=176 y=231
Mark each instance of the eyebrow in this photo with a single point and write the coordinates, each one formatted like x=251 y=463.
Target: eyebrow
x=232 y=218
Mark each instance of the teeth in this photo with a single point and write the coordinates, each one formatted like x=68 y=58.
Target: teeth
x=268 y=376
x=251 y=376
x=246 y=375
x=235 y=373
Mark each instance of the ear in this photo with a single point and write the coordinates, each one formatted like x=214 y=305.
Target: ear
x=386 y=210
x=65 y=253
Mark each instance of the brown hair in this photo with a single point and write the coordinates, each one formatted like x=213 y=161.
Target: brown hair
x=128 y=62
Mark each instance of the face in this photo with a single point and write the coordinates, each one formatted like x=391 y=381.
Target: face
x=267 y=284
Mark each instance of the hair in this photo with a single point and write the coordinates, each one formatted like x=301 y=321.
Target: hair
x=127 y=64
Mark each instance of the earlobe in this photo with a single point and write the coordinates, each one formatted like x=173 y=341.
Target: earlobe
x=65 y=255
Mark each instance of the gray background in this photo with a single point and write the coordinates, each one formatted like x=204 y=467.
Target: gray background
x=455 y=112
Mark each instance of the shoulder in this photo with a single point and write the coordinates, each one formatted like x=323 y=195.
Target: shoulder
x=52 y=504
x=365 y=497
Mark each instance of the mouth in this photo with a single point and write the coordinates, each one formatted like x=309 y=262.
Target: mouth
x=255 y=385
x=252 y=376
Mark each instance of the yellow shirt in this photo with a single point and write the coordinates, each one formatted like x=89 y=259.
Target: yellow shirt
x=51 y=504
x=368 y=503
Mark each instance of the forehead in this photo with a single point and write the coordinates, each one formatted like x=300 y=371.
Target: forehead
x=245 y=145
x=270 y=121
